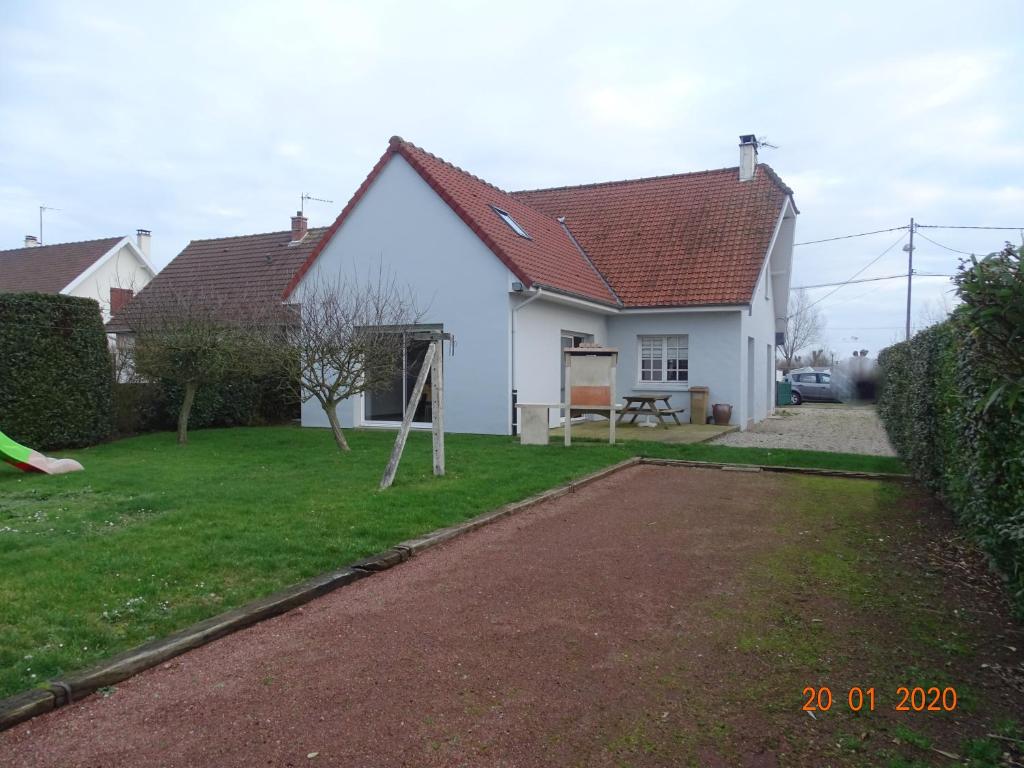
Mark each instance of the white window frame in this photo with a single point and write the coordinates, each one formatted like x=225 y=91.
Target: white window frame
x=683 y=345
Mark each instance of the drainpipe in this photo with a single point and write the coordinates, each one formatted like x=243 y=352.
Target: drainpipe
x=535 y=293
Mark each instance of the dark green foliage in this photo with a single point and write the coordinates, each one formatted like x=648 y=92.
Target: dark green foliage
x=56 y=374
x=950 y=402
x=993 y=292
x=241 y=402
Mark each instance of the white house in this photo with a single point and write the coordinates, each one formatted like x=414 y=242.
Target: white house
x=108 y=270
x=687 y=275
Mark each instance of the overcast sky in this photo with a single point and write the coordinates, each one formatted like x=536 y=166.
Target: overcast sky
x=206 y=119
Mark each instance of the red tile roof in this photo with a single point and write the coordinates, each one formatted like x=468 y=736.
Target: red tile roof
x=49 y=268
x=549 y=258
x=250 y=269
x=682 y=240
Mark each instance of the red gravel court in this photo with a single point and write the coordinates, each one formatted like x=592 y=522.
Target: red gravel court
x=523 y=643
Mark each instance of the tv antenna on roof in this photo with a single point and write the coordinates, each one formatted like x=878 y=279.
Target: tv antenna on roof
x=306 y=196
x=41 y=209
x=762 y=141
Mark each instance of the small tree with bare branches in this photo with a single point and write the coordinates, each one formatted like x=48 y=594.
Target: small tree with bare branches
x=804 y=327
x=349 y=338
x=194 y=337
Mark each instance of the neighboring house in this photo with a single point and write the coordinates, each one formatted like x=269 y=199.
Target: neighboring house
x=108 y=270
x=686 y=275
x=229 y=270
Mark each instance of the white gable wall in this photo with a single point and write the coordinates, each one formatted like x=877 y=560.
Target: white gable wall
x=123 y=270
x=402 y=224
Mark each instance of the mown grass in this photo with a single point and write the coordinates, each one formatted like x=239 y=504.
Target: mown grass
x=153 y=536
x=829 y=602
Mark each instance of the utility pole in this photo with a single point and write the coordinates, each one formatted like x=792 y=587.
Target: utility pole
x=909 y=248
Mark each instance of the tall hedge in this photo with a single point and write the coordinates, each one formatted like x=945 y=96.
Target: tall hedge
x=56 y=375
x=936 y=401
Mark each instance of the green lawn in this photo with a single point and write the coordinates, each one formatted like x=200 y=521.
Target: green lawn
x=153 y=536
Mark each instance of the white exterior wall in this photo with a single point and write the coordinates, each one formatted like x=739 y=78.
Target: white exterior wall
x=759 y=324
x=122 y=270
x=714 y=354
x=402 y=224
x=763 y=318
x=538 y=344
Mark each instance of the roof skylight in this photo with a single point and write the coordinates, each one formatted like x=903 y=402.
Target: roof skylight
x=512 y=223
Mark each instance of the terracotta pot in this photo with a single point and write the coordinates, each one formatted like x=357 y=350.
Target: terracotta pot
x=722 y=413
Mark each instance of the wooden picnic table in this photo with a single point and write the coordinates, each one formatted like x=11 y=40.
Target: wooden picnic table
x=647 y=403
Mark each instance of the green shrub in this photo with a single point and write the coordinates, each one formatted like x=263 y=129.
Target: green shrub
x=56 y=374
x=243 y=402
x=955 y=416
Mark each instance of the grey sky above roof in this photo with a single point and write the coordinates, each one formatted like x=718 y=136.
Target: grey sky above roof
x=881 y=111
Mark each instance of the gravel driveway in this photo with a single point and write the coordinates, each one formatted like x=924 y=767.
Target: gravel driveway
x=835 y=428
x=522 y=644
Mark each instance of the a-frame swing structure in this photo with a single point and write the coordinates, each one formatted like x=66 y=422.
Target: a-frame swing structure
x=433 y=365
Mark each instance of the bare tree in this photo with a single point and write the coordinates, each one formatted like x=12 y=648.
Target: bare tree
x=199 y=336
x=349 y=338
x=933 y=312
x=804 y=327
x=821 y=358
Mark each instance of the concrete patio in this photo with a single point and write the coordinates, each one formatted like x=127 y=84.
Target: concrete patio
x=678 y=434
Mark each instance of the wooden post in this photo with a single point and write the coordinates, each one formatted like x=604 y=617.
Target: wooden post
x=567 y=424
x=410 y=411
x=437 y=407
x=612 y=385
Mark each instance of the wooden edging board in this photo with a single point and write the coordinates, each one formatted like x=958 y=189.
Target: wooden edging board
x=775 y=468
x=77 y=685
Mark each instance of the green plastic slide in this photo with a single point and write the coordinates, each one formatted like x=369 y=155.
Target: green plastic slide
x=28 y=460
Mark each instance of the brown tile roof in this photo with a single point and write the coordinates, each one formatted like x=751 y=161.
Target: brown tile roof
x=244 y=269
x=49 y=268
x=687 y=239
x=547 y=258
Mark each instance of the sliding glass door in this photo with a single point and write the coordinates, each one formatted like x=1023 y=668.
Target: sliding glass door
x=388 y=405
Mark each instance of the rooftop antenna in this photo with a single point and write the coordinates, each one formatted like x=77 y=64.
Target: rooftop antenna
x=306 y=196
x=762 y=141
x=41 y=209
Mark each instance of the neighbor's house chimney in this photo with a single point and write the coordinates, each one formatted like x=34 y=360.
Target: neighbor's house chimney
x=142 y=239
x=31 y=241
x=299 y=226
x=748 y=156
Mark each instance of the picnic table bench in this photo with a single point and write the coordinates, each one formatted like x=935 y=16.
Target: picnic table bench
x=647 y=403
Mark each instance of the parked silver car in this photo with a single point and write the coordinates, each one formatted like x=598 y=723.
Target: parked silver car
x=813 y=385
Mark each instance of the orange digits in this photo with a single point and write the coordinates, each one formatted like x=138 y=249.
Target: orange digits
x=818 y=699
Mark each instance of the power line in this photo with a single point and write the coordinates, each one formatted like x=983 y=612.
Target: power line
x=935 y=242
x=854 y=275
x=870 y=280
x=847 y=237
x=960 y=226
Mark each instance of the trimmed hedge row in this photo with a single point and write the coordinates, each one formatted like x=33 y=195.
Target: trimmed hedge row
x=935 y=401
x=56 y=372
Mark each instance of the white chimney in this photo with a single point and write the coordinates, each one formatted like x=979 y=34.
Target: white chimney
x=748 y=156
x=31 y=241
x=142 y=238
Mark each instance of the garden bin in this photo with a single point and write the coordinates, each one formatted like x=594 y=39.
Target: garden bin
x=698 y=405
x=783 y=393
